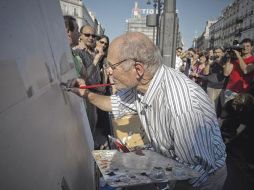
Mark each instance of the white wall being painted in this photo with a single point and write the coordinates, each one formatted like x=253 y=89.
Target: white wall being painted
x=44 y=131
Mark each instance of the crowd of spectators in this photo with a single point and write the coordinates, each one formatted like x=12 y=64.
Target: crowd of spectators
x=227 y=76
x=222 y=72
x=89 y=52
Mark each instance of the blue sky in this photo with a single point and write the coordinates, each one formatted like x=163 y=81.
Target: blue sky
x=193 y=15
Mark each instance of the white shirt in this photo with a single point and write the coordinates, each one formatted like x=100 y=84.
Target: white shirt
x=179 y=63
x=179 y=120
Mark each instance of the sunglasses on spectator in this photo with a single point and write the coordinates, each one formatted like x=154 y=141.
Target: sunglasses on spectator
x=102 y=42
x=88 y=35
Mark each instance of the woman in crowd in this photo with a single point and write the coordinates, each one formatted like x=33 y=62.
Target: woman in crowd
x=198 y=69
x=102 y=43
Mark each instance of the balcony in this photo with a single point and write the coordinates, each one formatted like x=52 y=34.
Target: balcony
x=237 y=33
x=239 y=20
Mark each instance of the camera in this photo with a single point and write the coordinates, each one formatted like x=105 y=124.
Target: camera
x=212 y=58
x=229 y=52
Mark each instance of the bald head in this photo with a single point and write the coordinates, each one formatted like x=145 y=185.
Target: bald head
x=136 y=46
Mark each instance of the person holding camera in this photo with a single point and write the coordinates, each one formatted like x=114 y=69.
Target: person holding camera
x=240 y=70
x=216 y=81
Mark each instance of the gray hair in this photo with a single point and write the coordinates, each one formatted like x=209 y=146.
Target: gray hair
x=138 y=47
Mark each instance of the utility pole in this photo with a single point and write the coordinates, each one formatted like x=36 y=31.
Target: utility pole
x=158 y=24
x=154 y=12
x=167 y=38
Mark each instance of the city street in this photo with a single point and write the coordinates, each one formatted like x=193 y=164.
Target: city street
x=156 y=75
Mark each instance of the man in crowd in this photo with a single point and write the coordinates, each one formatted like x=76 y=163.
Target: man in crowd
x=240 y=70
x=73 y=37
x=176 y=114
x=179 y=62
x=190 y=59
x=216 y=81
x=90 y=58
x=72 y=30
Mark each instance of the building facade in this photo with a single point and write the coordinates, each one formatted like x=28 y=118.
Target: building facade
x=215 y=33
x=229 y=29
x=138 y=23
x=179 y=40
x=236 y=22
x=202 y=42
x=246 y=19
x=77 y=9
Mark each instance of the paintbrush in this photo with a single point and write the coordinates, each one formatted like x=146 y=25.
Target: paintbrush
x=93 y=86
x=119 y=144
x=85 y=86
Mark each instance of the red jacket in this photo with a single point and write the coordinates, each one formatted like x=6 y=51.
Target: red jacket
x=238 y=81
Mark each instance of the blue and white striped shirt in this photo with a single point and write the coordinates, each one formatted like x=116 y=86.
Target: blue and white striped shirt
x=179 y=121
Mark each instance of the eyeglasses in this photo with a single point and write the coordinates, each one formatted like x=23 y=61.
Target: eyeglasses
x=102 y=42
x=88 y=35
x=113 y=66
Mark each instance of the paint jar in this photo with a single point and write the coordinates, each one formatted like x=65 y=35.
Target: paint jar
x=102 y=182
x=157 y=174
x=178 y=170
x=124 y=178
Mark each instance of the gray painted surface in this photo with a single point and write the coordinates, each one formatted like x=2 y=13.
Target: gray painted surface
x=44 y=132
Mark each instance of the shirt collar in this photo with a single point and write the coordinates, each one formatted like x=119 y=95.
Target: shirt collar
x=150 y=93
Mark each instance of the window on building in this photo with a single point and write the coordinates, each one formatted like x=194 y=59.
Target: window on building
x=65 y=9
x=75 y=12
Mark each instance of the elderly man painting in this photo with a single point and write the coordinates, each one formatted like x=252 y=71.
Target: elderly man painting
x=176 y=114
